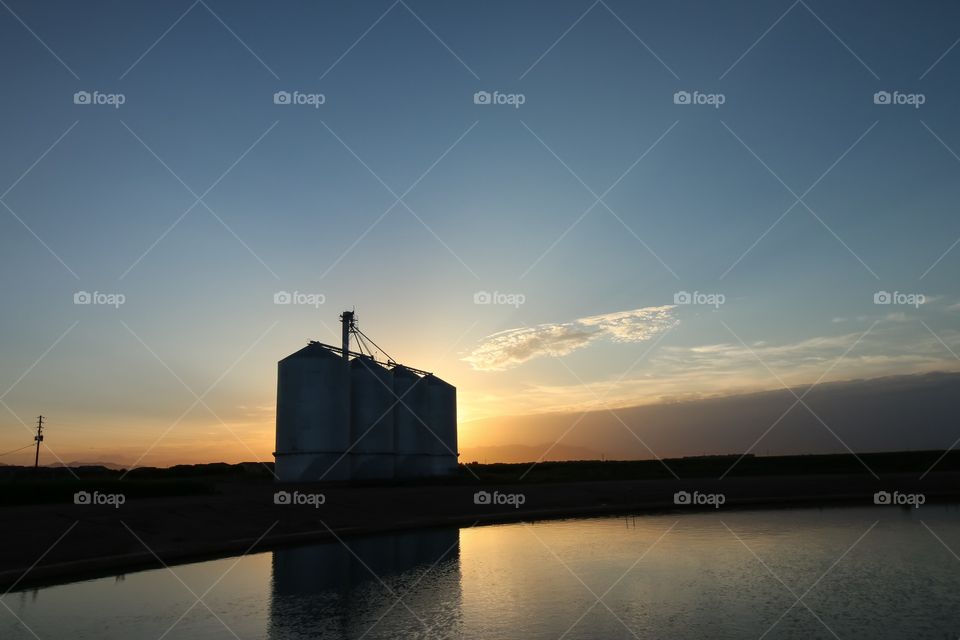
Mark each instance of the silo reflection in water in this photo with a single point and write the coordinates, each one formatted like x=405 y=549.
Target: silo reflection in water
x=335 y=590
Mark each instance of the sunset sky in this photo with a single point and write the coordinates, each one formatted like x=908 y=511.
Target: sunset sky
x=582 y=215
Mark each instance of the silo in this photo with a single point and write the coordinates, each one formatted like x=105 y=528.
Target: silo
x=408 y=420
x=371 y=420
x=441 y=417
x=313 y=416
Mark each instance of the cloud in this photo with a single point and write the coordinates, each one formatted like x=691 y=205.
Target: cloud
x=673 y=373
x=510 y=348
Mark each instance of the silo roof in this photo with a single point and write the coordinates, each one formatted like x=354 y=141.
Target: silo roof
x=366 y=362
x=432 y=379
x=404 y=371
x=313 y=350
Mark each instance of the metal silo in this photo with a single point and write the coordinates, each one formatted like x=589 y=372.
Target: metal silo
x=371 y=420
x=441 y=417
x=409 y=413
x=313 y=416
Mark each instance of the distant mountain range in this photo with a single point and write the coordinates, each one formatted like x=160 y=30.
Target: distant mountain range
x=108 y=465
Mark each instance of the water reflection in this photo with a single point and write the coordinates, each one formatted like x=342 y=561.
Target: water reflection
x=390 y=585
x=872 y=572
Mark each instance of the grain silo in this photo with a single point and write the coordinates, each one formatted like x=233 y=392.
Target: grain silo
x=313 y=415
x=345 y=415
x=409 y=412
x=441 y=418
x=371 y=420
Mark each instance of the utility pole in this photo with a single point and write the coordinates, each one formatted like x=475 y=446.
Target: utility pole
x=39 y=439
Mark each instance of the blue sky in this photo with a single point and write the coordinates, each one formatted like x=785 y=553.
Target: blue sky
x=301 y=201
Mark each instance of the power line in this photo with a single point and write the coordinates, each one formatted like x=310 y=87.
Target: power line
x=15 y=450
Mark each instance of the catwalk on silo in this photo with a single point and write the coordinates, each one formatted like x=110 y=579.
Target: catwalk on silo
x=345 y=415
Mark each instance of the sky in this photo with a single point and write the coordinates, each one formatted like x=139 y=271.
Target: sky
x=554 y=206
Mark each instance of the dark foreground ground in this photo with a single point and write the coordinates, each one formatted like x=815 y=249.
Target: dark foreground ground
x=172 y=517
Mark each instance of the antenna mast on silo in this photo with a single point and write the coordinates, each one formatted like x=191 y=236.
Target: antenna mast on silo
x=348 y=321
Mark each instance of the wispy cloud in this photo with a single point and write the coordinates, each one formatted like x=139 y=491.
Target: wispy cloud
x=510 y=348
x=674 y=373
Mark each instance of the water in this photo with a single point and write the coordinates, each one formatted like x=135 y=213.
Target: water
x=662 y=576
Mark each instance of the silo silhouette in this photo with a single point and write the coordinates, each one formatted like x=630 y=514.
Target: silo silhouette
x=410 y=435
x=441 y=418
x=344 y=415
x=312 y=416
x=371 y=420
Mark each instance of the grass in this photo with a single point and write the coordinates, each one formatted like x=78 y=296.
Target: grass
x=62 y=490
x=22 y=485
x=714 y=466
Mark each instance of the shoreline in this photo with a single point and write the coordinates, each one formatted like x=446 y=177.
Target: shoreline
x=233 y=522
